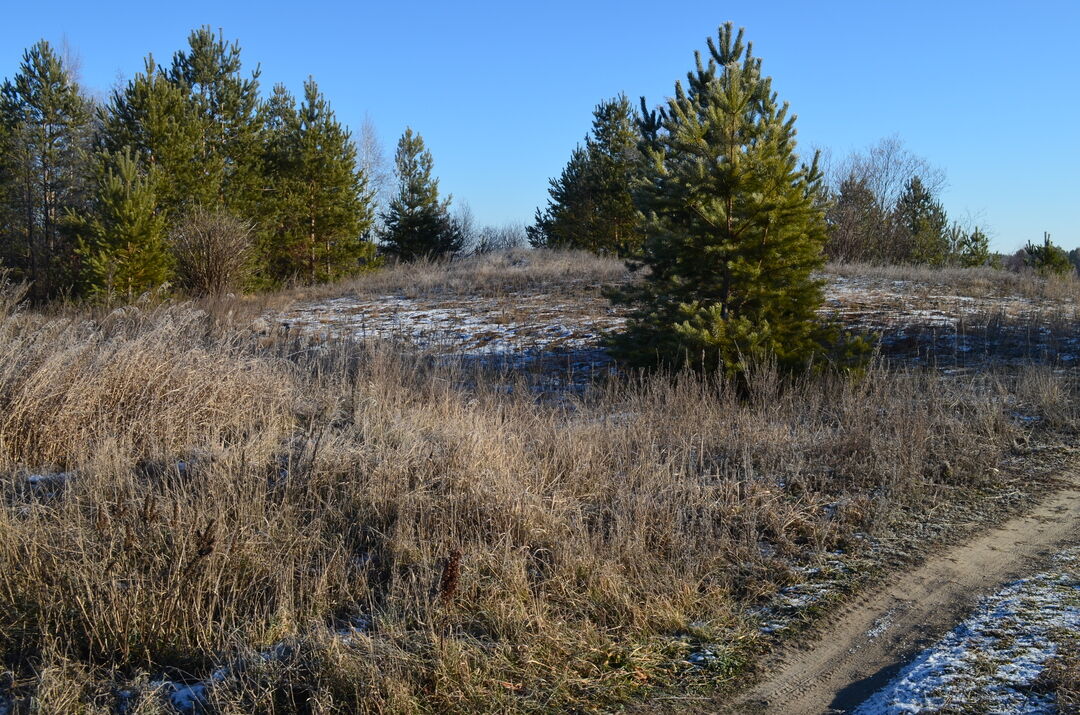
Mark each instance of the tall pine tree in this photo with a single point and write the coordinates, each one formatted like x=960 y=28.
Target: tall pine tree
x=417 y=224
x=198 y=122
x=567 y=221
x=46 y=131
x=322 y=205
x=591 y=206
x=227 y=103
x=734 y=226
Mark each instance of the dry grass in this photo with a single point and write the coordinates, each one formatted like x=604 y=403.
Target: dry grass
x=232 y=496
x=487 y=274
x=976 y=282
x=1062 y=676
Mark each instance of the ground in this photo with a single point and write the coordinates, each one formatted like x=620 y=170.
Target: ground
x=925 y=323
x=429 y=489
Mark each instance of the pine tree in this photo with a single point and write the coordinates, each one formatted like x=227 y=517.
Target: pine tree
x=276 y=232
x=323 y=207
x=417 y=223
x=1047 y=259
x=921 y=223
x=46 y=132
x=198 y=122
x=567 y=220
x=227 y=103
x=968 y=248
x=157 y=119
x=591 y=205
x=122 y=239
x=734 y=226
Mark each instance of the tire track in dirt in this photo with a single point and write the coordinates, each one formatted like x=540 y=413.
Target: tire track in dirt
x=870 y=641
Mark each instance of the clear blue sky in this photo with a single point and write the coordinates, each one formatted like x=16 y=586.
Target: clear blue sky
x=501 y=91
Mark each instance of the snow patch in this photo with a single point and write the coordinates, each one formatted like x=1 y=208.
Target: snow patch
x=988 y=662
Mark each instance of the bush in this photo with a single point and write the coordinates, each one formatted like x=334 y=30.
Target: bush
x=212 y=249
x=499 y=238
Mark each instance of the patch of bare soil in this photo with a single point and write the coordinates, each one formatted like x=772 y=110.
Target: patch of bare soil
x=867 y=643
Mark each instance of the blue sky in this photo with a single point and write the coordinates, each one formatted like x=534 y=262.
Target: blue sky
x=501 y=91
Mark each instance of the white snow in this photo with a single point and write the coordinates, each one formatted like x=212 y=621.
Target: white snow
x=188 y=697
x=52 y=479
x=989 y=660
x=465 y=326
x=880 y=626
x=819 y=585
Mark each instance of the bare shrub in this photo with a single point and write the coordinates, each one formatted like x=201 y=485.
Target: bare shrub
x=887 y=166
x=212 y=249
x=499 y=238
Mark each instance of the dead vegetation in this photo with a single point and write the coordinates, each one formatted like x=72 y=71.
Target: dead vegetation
x=981 y=281
x=345 y=527
x=1062 y=675
x=488 y=274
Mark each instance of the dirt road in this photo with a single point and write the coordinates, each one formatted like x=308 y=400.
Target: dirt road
x=869 y=642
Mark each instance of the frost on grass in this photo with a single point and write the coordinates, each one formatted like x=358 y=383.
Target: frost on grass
x=817 y=586
x=919 y=324
x=467 y=325
x=552 y=333
x=532 y=333
x=990 y=661
x=192 y=697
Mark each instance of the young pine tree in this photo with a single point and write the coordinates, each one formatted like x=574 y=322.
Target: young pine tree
x=734 y=226
x=591 y=205
x=322 y=206
x=45 y=131
x=968 y=248
x=122 y=239
x=922 y=224
x=1047 y=259
x=417 y=224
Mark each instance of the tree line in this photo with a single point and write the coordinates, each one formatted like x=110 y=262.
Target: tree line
x=186 y=175
x=881 y=205
x=708 y=192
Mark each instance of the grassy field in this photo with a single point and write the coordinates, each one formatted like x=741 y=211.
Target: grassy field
x=202 y=510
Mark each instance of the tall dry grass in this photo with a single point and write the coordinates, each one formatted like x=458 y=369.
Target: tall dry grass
x=981 y=281
x=496 y=273
x=240 y=503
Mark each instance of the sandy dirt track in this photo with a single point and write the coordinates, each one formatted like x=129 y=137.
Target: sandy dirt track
x=869 y=641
